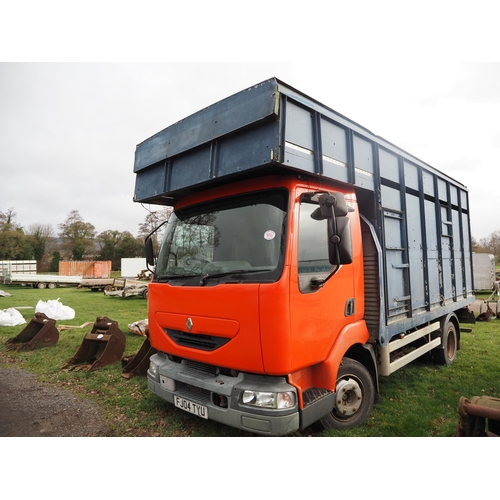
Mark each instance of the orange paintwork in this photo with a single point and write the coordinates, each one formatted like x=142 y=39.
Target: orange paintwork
x=210 y=306
x=275 y=329
x=218 y=327
x=324 y=375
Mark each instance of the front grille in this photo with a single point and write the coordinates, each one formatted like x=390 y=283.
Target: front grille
x=200 y=369
x=200 y=396
x=196 y=341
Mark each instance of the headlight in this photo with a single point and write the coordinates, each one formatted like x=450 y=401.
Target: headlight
x=153 y=369
x=276 y=400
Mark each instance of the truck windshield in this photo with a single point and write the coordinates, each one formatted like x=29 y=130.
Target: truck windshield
x=234 y=239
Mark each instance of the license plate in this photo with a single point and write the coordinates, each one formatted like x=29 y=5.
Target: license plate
x=190 y=407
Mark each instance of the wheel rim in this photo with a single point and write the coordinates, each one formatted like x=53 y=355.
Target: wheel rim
x=451 y=343
x=349 y=397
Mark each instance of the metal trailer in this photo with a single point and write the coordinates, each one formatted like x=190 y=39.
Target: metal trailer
x=125 y=287
x=96 y=284
x=484 y=268
x=418 y=260
x=42 y=280
x=8 y=267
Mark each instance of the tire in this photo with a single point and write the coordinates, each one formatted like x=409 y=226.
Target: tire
x=145 y=294
x=446 y=353
x=41 y=286
x=355 y=397
x=51 y=285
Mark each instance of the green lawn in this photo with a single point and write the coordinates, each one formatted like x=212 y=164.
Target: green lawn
x=418 y=400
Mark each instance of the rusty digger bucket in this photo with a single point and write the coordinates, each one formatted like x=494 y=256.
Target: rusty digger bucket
x=39 y=332
x=103 y=346
x=479 y=417
x=138 y=364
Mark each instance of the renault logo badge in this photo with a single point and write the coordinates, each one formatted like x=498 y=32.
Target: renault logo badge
x=189 y=324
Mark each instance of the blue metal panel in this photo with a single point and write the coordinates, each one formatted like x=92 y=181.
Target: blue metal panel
x=191 y=168
x=432 y=254
x=224 y=117
x=152 y=183
x=389 y=165
x=415 y=253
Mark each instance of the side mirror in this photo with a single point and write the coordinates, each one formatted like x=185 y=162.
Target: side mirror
x=334 y=208
x=150 y=254
x=339 y=241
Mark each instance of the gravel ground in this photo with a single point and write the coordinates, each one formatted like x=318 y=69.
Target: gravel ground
x=30 y=408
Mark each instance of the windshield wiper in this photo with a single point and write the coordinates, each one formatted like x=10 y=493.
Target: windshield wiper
x=168 y=277
x=204 y=279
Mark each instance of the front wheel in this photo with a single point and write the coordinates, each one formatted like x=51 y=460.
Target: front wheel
x=355 y=397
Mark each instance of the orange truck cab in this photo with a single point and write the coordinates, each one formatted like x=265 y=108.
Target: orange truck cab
x=304 y=258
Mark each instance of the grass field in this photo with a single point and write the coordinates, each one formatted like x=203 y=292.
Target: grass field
x=418 y=400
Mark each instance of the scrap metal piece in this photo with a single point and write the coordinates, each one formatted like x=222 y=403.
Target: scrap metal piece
x=139 y=363
x=39 y=332
x=103 y=346
x=465 y=315
x=73 y=327
x=479 y=417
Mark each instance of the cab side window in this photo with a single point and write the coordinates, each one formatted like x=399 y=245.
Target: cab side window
x=313 y=248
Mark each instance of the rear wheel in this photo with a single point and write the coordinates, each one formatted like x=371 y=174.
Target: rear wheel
x=355 y=397
x=446 y=353
x=51 y=285
x=41 y=285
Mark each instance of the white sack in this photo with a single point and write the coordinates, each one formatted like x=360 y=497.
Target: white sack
x=139 y=327
x=11 y=317
x=55 y=310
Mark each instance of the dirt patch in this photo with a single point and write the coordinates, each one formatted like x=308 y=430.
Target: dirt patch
x=31 y=408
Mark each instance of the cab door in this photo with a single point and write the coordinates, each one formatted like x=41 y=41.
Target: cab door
x=322 y=295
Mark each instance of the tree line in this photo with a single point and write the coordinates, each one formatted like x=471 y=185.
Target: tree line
x=75 y=239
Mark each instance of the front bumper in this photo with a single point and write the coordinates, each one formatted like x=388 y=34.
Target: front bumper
x=220 y=395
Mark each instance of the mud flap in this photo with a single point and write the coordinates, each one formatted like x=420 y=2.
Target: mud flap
x=479 y=416
x=39 y=332
x=103 y=346
x=139 y=363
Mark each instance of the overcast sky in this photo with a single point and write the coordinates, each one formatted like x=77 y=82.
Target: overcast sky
x=68 y=131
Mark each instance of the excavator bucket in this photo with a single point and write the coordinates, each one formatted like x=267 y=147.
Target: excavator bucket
x=103 y=346
x=39 y=332
x=479 y=417
x=139 y=363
